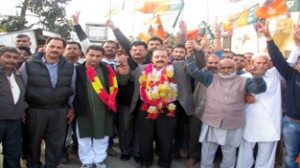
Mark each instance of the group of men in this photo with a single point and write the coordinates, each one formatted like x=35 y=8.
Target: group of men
x=180 y=101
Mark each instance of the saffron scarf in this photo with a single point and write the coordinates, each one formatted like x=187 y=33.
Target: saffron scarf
x=108 y=98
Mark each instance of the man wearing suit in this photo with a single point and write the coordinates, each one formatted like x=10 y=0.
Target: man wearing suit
x=13 y=106
x=160 y=89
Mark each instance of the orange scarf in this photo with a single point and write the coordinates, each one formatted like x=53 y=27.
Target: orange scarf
x=108 y=99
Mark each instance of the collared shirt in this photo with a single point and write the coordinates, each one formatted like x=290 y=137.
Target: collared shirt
x=53 y=73
x=15 y=90
x=110 y=62
x=14 y=87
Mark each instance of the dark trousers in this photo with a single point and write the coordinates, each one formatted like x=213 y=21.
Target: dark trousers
x=10 y=137
x=191 y=141
x=24 y=140
x=127 y=131
x=51 y=126
x=182 y=120
x=164 y=127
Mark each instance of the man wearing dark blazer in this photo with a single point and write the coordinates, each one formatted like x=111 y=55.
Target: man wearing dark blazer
x=12 y=105
x=164 y=124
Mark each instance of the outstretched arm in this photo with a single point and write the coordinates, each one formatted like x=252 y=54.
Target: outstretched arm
x=277 y=58
x=85 y=42
x=122 y=39
x=204 y=77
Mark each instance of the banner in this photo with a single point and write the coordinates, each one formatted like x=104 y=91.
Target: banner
x=243 y=18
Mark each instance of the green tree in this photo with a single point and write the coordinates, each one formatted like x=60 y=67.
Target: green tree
x=51 y=14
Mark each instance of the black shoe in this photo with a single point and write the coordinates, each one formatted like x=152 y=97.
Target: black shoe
x=111 y=152
x=125 y=157
x=137 y=159
x=176 y=156
x=65 y=158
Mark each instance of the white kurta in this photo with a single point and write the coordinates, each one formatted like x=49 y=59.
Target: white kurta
x=263 y=118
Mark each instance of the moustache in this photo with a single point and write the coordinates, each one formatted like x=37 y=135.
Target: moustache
x=160 y=61
x=9 y=63
x=54 y=52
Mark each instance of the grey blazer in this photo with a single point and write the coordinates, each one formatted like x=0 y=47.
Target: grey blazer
x=182 y=79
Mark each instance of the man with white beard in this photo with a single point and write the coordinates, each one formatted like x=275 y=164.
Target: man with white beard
x=263 y=120
x=223 y=118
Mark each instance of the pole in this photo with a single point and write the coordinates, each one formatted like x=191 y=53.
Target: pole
x=176 y=20
x=109 y=14
x=133 y=21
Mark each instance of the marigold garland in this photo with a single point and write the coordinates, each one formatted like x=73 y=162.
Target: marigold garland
x=158 y=91
x=108 y=99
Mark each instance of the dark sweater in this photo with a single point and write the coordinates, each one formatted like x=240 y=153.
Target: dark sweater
x=292 y=77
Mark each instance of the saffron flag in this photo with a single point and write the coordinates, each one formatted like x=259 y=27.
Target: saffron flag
x=192 y=35
x=155 y=6
x=170 y=6
x=159 y=31
x=148 y=6
x=298 y=159
x=271 y=9
x=143 y=37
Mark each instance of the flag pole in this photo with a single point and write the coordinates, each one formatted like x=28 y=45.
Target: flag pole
x=298 y=22
x=176 y=20
x=133 y=20
x=207 y=7
x=177 y=17
x=109 y=14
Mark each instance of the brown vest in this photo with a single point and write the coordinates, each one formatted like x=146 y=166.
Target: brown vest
x=225 y=103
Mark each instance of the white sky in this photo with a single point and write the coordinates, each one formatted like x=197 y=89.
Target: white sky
x=195 y=11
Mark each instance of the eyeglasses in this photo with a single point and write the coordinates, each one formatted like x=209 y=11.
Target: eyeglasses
x=223 y=68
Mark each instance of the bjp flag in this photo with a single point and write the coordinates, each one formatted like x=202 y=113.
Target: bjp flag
x=148 y=6
x=192 y=35
x=159 y=31
x=298 y=159
x=271 y=9
x=144 y=37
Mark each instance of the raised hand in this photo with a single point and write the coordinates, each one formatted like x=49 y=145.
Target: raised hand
x=182 y=27
x=123 y=67
x=263 y=28
x=110 y=24
x=296 y=35
x=75 y=18
x=217 y=32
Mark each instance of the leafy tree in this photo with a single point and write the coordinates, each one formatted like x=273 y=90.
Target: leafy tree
x=13 y=23
x=51 y=14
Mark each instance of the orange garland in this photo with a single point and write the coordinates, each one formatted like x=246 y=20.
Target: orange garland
x=158 y=93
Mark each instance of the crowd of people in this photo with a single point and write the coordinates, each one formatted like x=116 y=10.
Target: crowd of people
x=181 y=102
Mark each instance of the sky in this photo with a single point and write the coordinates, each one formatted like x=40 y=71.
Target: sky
x=131 y=23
